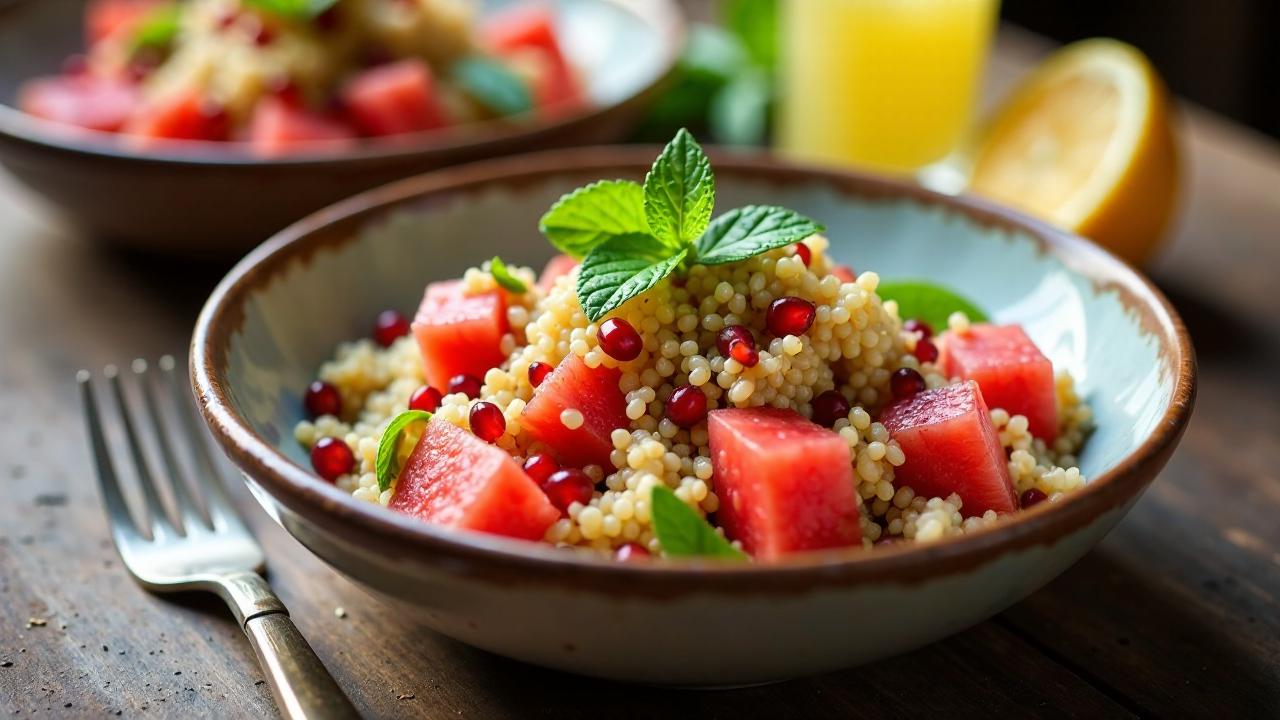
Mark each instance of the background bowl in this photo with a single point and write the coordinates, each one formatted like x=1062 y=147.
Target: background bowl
x=210 y=199
x=282 y=310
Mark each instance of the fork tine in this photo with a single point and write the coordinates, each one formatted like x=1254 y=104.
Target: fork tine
x=189 y=514
x=160 y=523
x=123 y=527
x=208 y=476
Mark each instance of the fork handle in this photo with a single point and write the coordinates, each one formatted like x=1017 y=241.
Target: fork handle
x=303 y=688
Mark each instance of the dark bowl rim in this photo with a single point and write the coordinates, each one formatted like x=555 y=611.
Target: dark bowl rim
x=665 y=16
x=514 y=561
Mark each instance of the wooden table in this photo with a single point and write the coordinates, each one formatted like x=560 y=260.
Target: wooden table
x=1176 y=613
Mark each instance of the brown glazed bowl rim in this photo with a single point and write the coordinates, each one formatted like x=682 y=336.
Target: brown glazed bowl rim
x=492 y=135
x=513 y=561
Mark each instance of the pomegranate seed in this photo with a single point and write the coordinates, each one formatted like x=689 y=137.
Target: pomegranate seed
x=389 y=327
x=538 y=371
x=425 y=398
x=687 y=406
x=745 y=354
x=1032 y=497
x=731 y=334
x=332 y=458
x=829 y=407
x=790 y=315
x=487 y=422
x=905 y=382
x=920 y=326
x=619 y=339
x=468 y=385
x=630 y=552
x=803 y=252
x=926 y=351
x=263 y=35
x=568 y=486
x=322 y=399
x=540 y=467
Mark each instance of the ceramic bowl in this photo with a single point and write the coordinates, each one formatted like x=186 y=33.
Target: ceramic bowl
x=212 y=199
x=282 y=310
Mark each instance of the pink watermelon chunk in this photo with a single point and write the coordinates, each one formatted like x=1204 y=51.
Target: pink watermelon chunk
x=785 y=484
x=951 y=447
x=594 y=393
x=278 y=127
x=528 y=31
x=87 y=101
x=185 y=116
x=459 y=333
x=1010 y=369
x=105 y=18
x=396 y=98
x=458 y=480
x=556 y=267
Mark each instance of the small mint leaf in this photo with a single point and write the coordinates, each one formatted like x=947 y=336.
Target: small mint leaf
x=621 y=269
x=158 y=29
x=385 y=465
x=682 y=532
x=493 y=85
x=504 y=278
x=747 y=231
x=932 y=303
x=591 y=215
x=292 y=9
x=679 y=192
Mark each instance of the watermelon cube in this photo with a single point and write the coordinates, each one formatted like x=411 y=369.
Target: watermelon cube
x=527 y=32
x=556 y=267
x=84 y=100
x=591 y=391
x=459 y=333
x=455 y=479
x=951 y=447
x=183 y=117
x=396 y=98
x=1010 y=369
x=785 y=483
x=278 y=127
x=105 y=18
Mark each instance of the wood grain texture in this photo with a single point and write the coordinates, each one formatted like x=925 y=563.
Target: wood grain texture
x=1176 y=613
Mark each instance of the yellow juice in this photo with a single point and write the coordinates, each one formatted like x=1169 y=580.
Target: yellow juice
x=888 y=84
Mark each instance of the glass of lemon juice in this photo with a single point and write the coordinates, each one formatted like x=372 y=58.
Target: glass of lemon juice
x=888 y=85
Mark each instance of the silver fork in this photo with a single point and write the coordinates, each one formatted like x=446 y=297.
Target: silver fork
x=214 y=553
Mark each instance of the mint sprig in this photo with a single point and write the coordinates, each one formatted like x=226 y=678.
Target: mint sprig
x=292 y=9
x=682 y=532
x=504 y=278
x=493 y=85
x=927 y=301
x=633 y=236
x=386 y=465
x=158 y=29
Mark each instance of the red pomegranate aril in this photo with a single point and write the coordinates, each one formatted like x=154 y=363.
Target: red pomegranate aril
x=619 y=339
x=630 y=552
x=487 y=421
x=730 y=334
x=905 y=382
x=226 y=20
x=925 y=351
x=468 y=385
x=687 y=406
x=918 y=326
x=568 y=486
x=332 y=458
x=540 y=467
x=263 y=35
x=803 y=252
x=389 y=327
x=322 y=399
x=746 y=355
x=790 y=315
x=425 y=398
x=829 y=407
x=538 y=371
x=1032 y=497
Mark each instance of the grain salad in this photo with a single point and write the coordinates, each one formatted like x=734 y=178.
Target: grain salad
x=778 y=397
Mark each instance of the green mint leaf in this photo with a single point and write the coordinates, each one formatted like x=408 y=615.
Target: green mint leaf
x=621 y=269
x=292 y=9
x=755 y=22
x=591 y=215
x=739 y=112
x=493 y=85
x=504 y=278
x=747 y=231
x=158 y=29
x=682 y=532
x=679 y=192
x=928 y=301
x=385 y=466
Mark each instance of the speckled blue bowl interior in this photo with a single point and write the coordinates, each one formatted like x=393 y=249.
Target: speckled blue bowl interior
x=294 y=322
